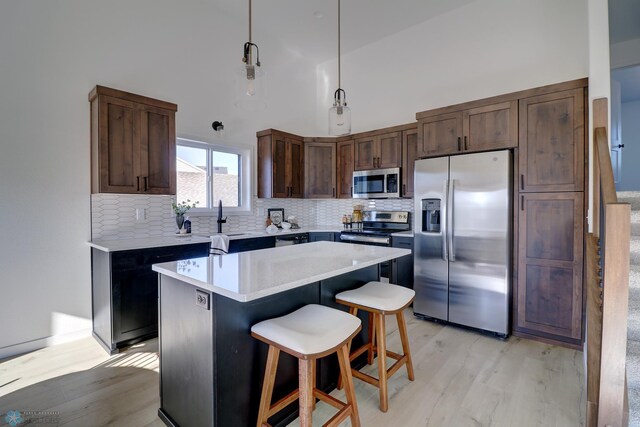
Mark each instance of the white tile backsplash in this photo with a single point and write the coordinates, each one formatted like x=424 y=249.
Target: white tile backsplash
x=113 y=216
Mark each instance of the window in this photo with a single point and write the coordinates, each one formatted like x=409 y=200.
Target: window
x=208 y=173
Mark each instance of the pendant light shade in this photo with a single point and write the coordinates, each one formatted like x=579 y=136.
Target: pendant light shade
x=250 y=70
x=339 y=113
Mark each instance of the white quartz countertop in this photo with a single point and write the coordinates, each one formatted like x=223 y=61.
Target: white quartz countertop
x=149 y=242
x=247 y=276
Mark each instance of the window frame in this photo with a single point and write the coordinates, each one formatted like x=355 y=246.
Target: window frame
x=244 y=176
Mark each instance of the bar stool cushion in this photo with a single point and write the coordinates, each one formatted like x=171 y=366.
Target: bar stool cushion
x=379 y=296
x=311 y=329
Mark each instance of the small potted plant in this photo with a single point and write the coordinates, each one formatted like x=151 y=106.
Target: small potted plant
x=180 y=209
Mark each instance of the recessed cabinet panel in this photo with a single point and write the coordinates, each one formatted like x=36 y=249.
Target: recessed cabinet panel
x=491 y=127
x=120 y=153
x=390 y=150
x=365 y=155
x=409 y=156
x=158 y=142
x=550 y=229
x=320 y=170
x=345 y=169
x=550 y=257
x=280 y=185
x=295 y=167
x=552 y=142
x=440 y=135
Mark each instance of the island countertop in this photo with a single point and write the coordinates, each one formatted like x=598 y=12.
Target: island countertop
x=247 y=276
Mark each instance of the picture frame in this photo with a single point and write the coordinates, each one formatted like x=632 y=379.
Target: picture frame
x=276 y=215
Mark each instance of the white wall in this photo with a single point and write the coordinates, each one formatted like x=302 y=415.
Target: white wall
x=631 y=139
x=625 y=54
x=53 y=53
x=486 y=48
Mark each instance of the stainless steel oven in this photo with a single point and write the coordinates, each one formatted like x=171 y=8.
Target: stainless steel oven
x=377 y=227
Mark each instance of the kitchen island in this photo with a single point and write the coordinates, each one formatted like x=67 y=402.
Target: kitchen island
x=211 y=369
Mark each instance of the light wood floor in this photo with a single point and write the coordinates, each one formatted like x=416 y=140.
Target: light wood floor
x=462 y=379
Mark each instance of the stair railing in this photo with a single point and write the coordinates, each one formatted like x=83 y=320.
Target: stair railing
x=607 y=289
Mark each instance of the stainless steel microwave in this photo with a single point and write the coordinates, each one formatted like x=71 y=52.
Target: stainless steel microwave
x=376 y=184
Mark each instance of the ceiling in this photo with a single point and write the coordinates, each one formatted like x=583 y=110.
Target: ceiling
x=624 y=20
x=309 y=27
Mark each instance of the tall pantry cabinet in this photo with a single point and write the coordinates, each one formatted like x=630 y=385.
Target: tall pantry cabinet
x=551 y=217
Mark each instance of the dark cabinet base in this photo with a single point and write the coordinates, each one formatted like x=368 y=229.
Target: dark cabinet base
x=125 y=292
x=211 y=369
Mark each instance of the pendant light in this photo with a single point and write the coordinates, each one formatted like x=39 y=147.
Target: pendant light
x=339 y=114
x=250 y=71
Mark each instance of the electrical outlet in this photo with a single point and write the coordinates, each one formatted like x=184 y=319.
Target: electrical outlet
x=202 y=299
x=141 y=214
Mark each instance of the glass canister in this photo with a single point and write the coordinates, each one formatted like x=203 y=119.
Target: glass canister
x=356 y=216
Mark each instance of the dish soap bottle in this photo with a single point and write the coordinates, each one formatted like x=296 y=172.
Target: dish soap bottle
x=187 y=225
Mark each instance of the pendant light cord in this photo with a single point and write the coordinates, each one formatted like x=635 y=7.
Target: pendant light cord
x=249 y=21
x=339 y=81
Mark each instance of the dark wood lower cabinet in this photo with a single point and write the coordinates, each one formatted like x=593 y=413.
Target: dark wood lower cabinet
x=402 y=268
x=125 y=292
x=550 y=255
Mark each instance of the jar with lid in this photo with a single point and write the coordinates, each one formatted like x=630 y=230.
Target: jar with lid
x=357 y=215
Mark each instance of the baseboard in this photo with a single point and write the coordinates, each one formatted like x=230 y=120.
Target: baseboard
x=29 y=346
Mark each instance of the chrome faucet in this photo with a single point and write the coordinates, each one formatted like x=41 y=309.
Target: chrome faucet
x=220 y=219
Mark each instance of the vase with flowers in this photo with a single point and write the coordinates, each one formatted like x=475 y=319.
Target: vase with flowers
x=180 y=209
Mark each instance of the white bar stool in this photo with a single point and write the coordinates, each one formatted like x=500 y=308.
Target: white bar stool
x=380 y=299
x=312 y=332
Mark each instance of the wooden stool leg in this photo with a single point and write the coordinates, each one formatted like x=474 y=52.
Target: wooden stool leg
x=305 y=381
x=354 y=312
x=402 y=327
x=349 y=390
x=267 y=385
x=372 y=339
x=313 y=374
x=382 y=360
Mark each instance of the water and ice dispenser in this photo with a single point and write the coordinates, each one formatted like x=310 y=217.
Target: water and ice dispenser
x=431 y=215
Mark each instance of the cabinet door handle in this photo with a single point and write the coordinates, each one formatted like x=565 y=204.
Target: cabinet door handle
x=522 y=203
x=522 y=181
x=137 y=183
x=459 y=144
x=333 y=191
x=145 y=184
x=351 y=191
x=404 y=189
x=466 y=147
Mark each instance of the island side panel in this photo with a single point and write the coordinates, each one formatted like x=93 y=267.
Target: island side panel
x=241 y=359
x=328 y=369
x=101 y=298
x=186 y=355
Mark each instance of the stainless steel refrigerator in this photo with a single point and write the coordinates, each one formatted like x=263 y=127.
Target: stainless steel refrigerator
x=462 y=249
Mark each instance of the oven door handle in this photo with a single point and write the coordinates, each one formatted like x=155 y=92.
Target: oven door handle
x=369 y=239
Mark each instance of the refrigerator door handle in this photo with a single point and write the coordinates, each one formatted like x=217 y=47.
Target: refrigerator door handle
x=450 y=225
x=445 y=223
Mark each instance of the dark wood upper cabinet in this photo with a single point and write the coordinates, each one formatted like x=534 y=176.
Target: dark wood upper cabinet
x=320 y=170
x=482 y=128
x=133 y=143
x=378 y=151
x=345 y=169
x=491 y=127
x=552 y=142
x=550 y=256
x=409 y=156
x=440 y=135
x=280 y=165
